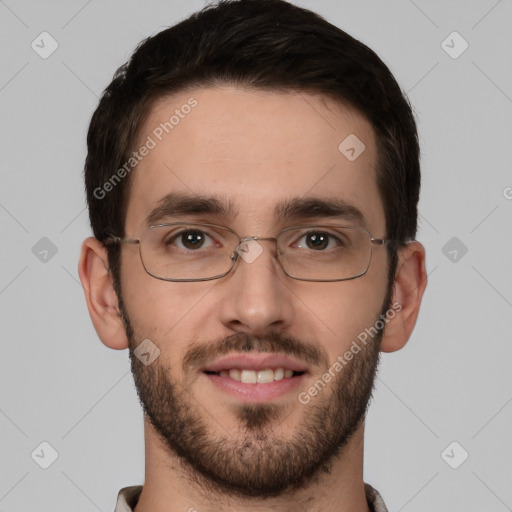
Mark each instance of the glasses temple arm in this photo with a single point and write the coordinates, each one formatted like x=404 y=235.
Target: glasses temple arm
x=118 y=240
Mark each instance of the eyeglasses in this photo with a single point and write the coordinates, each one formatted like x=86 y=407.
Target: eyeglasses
x=200 y=252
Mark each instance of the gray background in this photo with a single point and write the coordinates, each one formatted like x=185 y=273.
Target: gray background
x=452 y=382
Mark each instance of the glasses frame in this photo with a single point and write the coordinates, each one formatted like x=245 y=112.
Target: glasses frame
x=235 y=256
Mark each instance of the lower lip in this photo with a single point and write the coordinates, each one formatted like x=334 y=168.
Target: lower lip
x=255 y=393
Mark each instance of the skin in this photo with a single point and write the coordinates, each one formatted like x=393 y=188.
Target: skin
x=256 y=148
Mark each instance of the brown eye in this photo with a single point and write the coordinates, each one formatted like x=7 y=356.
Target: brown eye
x=193 y=239
x=317 y=240
x=190 y=239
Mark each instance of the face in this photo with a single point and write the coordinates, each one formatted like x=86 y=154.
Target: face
x=254 y=150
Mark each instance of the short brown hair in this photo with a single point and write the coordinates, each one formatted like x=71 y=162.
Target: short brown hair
x=267 y=44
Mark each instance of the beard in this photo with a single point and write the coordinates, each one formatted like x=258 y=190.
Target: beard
x=257 y=462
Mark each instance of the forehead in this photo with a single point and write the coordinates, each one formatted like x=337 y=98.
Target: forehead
x=255 y=151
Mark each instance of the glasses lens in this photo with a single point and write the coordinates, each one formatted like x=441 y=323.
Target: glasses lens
x=187 y=251
x=325 y=253
x=191 y=252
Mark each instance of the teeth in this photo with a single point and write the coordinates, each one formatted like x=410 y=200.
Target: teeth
x=248 y=377
x=278 y=374
x=265 y=376
x=260 y=376
x=235 y=374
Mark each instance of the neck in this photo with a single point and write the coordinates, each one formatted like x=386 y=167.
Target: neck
x=170 y=485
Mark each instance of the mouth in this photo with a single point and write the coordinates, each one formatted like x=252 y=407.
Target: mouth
x=264 y=376
x=256 y=377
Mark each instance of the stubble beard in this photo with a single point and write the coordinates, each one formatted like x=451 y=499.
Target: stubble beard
x=256 y=462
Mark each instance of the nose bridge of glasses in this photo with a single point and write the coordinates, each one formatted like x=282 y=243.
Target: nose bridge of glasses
x=245 y=240
x=243 y=245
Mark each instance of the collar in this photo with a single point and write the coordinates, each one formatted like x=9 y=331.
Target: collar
x=128 y=497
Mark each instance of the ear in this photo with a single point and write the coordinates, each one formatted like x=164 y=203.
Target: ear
x=410 y=283
x=101 y=298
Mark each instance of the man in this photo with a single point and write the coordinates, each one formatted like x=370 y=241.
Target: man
x=252 y=179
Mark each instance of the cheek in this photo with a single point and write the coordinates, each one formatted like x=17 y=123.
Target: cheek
x=155 y=306
x=341 y=311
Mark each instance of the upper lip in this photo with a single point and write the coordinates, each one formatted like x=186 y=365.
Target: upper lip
x=255 y=361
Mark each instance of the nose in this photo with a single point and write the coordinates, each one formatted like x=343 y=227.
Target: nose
x=255 y=296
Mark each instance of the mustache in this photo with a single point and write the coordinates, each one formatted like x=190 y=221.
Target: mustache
x=273 y=342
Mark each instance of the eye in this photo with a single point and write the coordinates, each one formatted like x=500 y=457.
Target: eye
x=191 y=239
x=319 y=241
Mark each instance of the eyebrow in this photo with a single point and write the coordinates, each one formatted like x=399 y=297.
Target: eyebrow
x=179 y=203
x=307 y=207
x=184 y=204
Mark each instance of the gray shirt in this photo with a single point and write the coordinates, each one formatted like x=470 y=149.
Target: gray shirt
x=129 y=496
